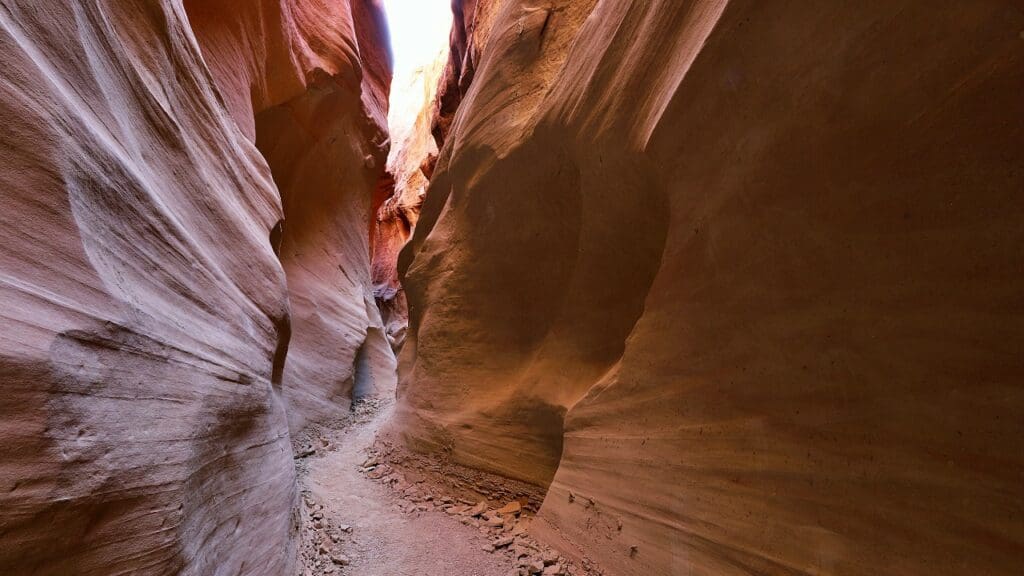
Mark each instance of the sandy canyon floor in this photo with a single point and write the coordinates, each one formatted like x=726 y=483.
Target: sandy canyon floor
x=371 y=511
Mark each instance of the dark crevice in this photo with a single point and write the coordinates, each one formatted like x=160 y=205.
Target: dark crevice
x=362 y=373
x=276 y=237
x=283 y=327
x=544 y=27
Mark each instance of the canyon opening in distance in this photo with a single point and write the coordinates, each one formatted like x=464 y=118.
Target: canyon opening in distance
x=511 y=287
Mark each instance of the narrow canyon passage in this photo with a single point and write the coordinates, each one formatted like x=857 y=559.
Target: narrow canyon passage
x=365 y=511
x=516 y=287
x=362 y=517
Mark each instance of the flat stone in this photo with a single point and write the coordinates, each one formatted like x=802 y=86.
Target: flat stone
x=503 y=541
x=520 y=527
x=512 y=507
x=479 y=509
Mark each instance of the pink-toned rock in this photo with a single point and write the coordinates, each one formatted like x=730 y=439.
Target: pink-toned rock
x=318 y=116
x=737 y=282
x=144 y=312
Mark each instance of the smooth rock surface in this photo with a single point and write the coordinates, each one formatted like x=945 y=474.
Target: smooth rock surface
x=141 y=306
x=143 y=311
x=738 y=283
x=739 y=280
x=318 y=113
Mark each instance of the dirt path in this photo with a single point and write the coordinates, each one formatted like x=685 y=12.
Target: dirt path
x=354 y=525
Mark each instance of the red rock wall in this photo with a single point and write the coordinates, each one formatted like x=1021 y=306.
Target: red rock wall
x=739 y=280
x=308 y=81
x=144 y=313
x=140 y=304
x=393 y=226
x=471 y=24
x=327 y=161
x=410 y=165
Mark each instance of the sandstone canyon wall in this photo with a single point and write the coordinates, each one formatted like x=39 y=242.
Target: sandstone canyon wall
x=144 y=312
x=739 y=281
x=309 y=81
x=410 y=165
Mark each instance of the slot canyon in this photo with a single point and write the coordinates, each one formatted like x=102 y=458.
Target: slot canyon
x=511 y=287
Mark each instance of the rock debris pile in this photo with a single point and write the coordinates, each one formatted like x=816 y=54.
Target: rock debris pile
x=498 y=508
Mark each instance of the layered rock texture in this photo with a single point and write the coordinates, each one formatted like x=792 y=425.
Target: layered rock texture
x=144 y=312
x=309 y=81
x=410 y=165
x=738 y=281
x=471 y=24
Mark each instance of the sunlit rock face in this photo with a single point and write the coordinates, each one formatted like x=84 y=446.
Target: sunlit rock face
x=420 y=50
x=471 y=24
x=410 y=164
x=144 y=313
x=739 y=281
x=318 y=114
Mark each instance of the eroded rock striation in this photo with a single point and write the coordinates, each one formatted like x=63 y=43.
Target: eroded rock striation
x=409 y=166
x=735 y=285
x=318 y=114
x=738 y=281
x=145 y=354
